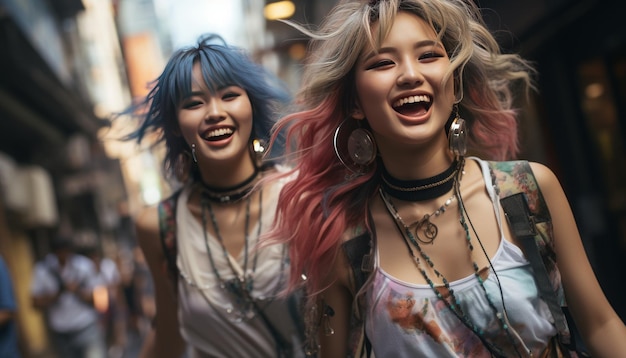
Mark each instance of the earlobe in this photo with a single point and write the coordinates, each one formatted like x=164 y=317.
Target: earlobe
x=358 y=114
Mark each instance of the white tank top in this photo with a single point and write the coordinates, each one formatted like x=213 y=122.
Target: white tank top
x=408 y=320
x=210 y=320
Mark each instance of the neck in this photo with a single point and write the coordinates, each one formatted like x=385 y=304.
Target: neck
x=419 y=189
x=231 y=193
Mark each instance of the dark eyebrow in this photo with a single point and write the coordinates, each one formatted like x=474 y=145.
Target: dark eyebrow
x=192 y=94
x=419 y=44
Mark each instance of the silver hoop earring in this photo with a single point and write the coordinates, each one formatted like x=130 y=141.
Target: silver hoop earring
x=354 y=146
x=193 y=153
x=259 y=147
x=457 y=136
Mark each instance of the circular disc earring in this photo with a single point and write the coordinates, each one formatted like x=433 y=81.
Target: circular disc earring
x=457 y=136
x=354 y=146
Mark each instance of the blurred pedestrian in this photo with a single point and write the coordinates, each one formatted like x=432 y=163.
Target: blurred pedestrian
x=63 y=286
x=8 y=329
x=108 y=298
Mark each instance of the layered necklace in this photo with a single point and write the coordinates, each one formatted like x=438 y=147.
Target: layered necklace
x=240 y=287
x=412 y=242
x=424 y=230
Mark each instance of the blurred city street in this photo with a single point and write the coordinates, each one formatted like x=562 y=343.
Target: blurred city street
x=70 y=68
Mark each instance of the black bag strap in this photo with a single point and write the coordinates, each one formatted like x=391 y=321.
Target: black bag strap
x=522 y=224
x=515 y=183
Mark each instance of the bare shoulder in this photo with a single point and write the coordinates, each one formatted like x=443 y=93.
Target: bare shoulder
x=545 y=176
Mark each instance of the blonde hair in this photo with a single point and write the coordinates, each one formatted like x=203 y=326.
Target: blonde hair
x=483 y=75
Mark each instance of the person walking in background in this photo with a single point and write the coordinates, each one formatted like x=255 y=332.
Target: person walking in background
x=400 y=233
x=8 y=327
x=213 y=108
x=108 y=298
x=62 y=286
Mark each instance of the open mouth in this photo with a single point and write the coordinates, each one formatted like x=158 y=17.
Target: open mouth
x=218 y=134
x=413 y=105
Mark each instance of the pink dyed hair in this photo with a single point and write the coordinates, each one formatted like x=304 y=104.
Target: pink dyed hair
x=319 y=204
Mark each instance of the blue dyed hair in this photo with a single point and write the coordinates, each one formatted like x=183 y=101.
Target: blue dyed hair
x=222 y=65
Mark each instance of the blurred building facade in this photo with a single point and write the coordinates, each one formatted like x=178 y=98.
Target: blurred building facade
x=58 y=78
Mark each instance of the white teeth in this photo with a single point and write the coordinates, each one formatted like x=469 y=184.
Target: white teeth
x=219 y=132
x=411 y=99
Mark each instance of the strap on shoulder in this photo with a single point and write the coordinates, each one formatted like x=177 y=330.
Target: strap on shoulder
x=167 y=228
x=516 y=183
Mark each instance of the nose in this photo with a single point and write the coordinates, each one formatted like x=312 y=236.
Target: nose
x=410 y=74
x=215 y=112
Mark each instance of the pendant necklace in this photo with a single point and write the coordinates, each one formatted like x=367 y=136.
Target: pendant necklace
x=424 y=225
x=240 y=288
x=424 y=230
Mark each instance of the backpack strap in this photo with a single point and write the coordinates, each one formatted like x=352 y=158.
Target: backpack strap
x=359 y=253
x=167 y=228
x=525 y=208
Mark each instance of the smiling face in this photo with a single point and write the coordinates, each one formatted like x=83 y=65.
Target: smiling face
x=401 y=89
x=219 y=124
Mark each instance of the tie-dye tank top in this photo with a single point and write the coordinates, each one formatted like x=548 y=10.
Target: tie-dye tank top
x=408 y=320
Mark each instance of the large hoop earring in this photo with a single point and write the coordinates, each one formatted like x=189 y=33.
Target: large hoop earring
x=457 y=135
x=354 y=146
x=258 y=147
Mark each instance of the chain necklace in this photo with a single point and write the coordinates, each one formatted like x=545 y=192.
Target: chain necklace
x=424 y=226
x=240 y=287
x=450 y=300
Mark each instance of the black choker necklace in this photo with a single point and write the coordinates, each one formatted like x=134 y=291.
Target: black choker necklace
x=420 y=189
x=231 y=194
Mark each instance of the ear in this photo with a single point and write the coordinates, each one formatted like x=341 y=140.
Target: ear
x=357 y=112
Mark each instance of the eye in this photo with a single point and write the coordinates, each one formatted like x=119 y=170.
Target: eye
x=431 y=55
x=190 y=104
x=230 y=95
x=379 y=64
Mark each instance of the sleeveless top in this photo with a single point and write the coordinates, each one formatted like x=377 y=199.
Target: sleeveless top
x=408 y=320
x=211 y=321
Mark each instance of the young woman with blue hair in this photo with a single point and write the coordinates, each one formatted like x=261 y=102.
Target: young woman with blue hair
x=213 y=108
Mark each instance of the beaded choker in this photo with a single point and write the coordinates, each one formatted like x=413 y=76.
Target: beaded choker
x=232 y=194
x=420 y=189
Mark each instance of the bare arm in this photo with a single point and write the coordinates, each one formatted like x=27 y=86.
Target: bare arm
x=43 y=301
x=167 y=341
x=601 y=328
x=147 y=350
